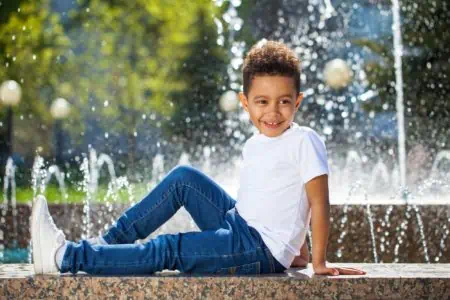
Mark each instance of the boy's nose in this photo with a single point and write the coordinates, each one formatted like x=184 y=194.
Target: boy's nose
x=273 y=108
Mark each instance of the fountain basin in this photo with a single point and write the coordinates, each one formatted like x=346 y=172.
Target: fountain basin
x=393 y=281
x=396 y=231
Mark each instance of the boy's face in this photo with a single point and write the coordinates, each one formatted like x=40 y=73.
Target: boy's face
x=271 y=103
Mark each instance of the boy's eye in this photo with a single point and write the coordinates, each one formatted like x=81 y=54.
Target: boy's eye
x=284 y=101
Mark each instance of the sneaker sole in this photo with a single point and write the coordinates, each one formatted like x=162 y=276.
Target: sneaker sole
x=35 y=236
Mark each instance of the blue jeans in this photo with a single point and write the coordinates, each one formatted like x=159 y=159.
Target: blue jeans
x=225 y=244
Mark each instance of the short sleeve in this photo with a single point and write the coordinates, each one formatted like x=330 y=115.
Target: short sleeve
x=313 y=160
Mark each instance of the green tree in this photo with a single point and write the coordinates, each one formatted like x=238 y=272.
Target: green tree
x=129 y=56
x=197 y=120
x=116 y=62
x=35 y=52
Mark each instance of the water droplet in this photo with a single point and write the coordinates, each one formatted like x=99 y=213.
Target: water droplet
x=327 y=130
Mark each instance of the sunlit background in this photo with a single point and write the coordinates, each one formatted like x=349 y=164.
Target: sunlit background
x=100 y=99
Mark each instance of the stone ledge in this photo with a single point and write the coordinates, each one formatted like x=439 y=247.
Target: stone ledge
x=393 y=281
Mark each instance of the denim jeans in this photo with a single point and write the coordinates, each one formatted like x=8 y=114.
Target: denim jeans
x=225 y=244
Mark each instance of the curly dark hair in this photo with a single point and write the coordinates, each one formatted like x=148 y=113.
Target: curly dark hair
x=270 y=58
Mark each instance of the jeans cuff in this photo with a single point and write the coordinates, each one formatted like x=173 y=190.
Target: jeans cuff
x=65 y=265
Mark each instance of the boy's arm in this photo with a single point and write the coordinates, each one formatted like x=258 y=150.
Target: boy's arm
x=317 y=192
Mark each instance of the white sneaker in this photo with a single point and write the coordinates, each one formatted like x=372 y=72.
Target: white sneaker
x=46 y=238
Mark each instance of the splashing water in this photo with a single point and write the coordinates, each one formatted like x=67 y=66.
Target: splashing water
x=343 y=232
x=91 y=173
x=9 y=200
x=398 y=53
x=86 y=188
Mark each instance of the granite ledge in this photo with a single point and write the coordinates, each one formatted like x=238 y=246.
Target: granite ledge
x=393 y=281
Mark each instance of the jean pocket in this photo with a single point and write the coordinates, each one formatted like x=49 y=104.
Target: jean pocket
x=247 y=269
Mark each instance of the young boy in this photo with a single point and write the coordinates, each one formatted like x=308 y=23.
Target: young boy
x=283 y=184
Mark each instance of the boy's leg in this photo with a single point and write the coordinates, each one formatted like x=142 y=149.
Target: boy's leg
x=185 y=186
x=236 y=248
x=221 y=251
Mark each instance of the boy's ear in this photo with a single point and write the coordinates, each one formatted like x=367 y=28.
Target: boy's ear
x=244 y=101
x=299 y=100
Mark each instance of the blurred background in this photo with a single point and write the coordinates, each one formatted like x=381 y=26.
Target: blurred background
x=137 y=79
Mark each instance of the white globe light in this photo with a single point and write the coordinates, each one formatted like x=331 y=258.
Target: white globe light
x=10 y=93
x=229 y=101
x=337 y=74
x=60 y=108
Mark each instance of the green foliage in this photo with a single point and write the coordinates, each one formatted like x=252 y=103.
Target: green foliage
x=197 y=121
x=77 y=196
x=120 y=58
x=35 y=52
x=115 y=61
x=133 y=56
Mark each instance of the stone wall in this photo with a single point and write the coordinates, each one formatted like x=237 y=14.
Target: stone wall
x=350 y=236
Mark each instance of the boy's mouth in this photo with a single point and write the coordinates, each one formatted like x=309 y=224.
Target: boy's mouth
x=272 y=125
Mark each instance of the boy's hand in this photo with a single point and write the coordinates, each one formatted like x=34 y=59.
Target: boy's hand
x=324 y=270
x=302 y=260
x=299 y=262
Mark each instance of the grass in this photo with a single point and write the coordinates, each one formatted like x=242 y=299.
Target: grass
x=76 y=195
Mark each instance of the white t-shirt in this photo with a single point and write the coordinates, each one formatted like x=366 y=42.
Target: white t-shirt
x=272 y=196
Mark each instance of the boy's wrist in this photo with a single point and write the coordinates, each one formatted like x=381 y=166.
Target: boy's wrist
x=319 y=263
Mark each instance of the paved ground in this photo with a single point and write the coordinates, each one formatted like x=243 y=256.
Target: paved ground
x=382 y=281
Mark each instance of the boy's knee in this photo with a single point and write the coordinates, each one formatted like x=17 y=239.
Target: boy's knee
x=183 y=171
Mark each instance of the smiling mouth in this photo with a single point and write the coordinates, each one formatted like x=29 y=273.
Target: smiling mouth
x=272 y=125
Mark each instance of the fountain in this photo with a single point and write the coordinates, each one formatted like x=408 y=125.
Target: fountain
x=373 y=189
x=9 y=188
x=398 y=52
x=388 y=205
x=382 y=211
x=378 y=226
